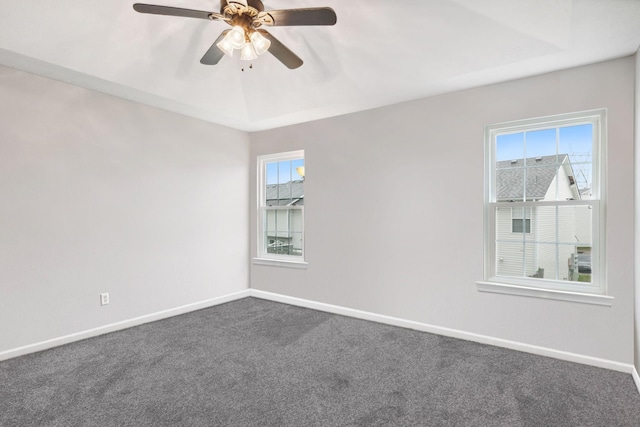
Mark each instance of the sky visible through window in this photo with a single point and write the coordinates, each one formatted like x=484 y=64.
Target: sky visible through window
x=283 y=172
x=576 y=141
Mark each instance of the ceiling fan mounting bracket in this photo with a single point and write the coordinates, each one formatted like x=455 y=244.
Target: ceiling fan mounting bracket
x=230 y=8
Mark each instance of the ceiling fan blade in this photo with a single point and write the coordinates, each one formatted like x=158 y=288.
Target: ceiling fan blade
x=281 y=52
x=175 y=11
x=309 y=16
x=214 y=54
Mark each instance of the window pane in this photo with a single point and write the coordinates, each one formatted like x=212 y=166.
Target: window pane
x=296 y=244
x=297 y=193
x=545 y=224
x=272 y=173
x=540 y=143
x=276 y=227
x=574 y=225
x=582 y=175
x=271 y=195
x=509 y=181
x=270 y=222
x=577 y=139
x=510 y=147
x=543 y=260
x=270 y=227
x=295 y=216
x=503 y=224
x=284 y=171
x=511 y=259
x=541 y=180
x=297 y=166
x=577 y=142
x=583 y=261
x=510 y=167
x=295 y=231
x=284 y=181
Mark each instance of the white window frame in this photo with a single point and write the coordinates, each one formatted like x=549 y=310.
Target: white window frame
x=262 y=256
x=594 y=292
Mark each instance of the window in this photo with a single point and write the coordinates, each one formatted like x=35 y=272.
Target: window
x=281 y=207
x=521 y=220
x=544 y=205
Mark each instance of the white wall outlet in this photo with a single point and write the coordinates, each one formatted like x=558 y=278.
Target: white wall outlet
x=104 y=298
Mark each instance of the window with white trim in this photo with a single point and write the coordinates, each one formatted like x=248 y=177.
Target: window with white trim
x=281 y=206
x=521 y=220
x=544 y=204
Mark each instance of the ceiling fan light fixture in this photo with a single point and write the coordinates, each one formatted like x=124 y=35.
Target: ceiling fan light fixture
x=260 y=43
x=237 y=37
x=248 y=53
x=226 y=45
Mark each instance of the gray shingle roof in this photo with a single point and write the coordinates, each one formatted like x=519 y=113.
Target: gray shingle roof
x=285 y=194
x=540 y=174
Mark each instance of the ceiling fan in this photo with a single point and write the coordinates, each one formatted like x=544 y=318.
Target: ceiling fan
x=247 y=17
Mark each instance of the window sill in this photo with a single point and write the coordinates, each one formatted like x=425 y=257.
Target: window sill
x=502 y=288
x=281 y=263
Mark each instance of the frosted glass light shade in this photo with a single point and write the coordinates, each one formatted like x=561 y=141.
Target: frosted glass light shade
x=260 y=43
x=248 y=53
x=226 y=45
x=236 y=35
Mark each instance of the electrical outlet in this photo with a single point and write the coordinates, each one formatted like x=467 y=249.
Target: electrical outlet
x=104 y=298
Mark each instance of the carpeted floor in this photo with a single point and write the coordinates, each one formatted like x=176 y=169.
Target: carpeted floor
x=259 y=363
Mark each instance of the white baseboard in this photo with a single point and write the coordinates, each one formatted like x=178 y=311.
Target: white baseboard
x=54 y=342
x=636 y=378
x=329 y=308
x=483 y=339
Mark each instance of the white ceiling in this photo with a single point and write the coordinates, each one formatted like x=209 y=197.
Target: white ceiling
x=379 y=52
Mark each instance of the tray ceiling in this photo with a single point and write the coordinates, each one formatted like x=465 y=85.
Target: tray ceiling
x=379 y=53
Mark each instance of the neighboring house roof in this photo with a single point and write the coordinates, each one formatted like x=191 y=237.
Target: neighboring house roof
x=540 y=174
x=290 y=193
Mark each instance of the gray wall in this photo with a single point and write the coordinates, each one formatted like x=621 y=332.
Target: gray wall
x=394 y=211
x=104 y=195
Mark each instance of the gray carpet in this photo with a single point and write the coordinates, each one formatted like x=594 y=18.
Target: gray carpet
x=259 y=363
